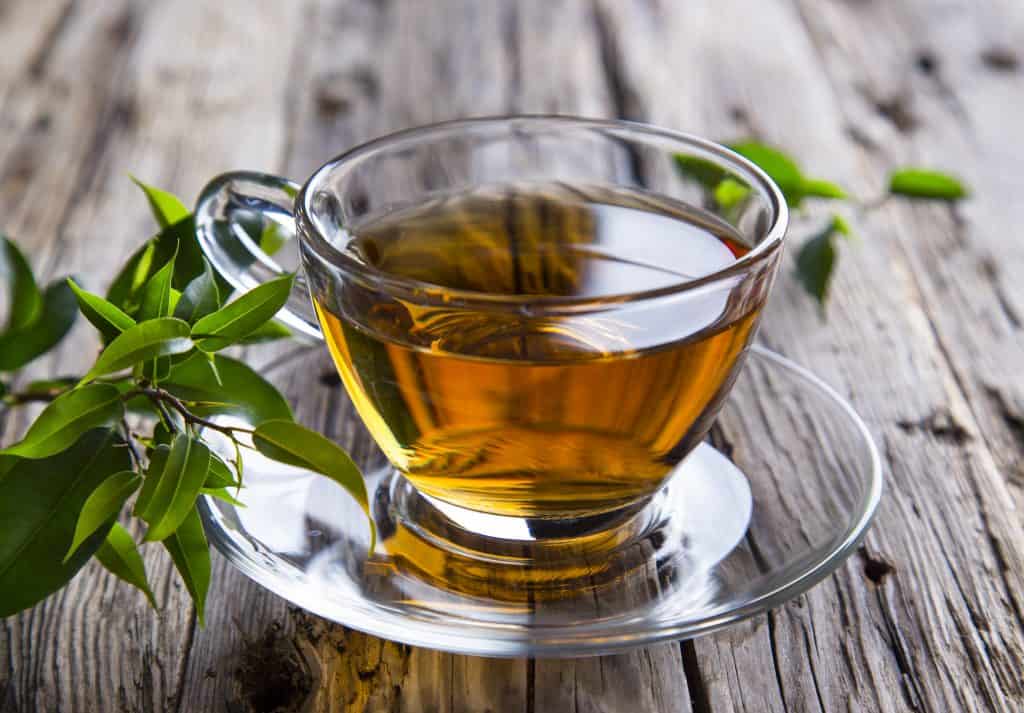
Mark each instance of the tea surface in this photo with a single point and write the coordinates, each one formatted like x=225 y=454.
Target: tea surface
x=536 y=415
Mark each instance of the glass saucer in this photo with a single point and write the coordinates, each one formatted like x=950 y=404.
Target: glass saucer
x=777 y=498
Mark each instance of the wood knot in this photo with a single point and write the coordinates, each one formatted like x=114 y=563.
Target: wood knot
x=339 y=92
x=273 y=675
x=897 y=111
x=941 y=424
x=927 y=62
x=876 y=568
x=1000 y=59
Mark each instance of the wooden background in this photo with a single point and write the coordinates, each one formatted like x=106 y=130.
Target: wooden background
x=924 y=333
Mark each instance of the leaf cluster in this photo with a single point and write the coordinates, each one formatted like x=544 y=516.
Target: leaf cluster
x=130 y=438
x=817 y=255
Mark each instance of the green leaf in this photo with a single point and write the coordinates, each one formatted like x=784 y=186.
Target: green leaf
x=20 y=346
x=730 y=193
x=146 y=340
x=156 y=295
x=924 y=183
x=705 y=172
x=288 y=442
x=39 y=508
x=250 y=396
x=167 y=499
x=200 y=297
x=64 y=420
x=178 y=240
x=225 y=495
x=219 y=475
x=780 y=168
x=191 y=555
x=121 y=558
x=818 y=188
x=167 y=208
x=155 y=370
x=840 y=225
x=157 y=461
x=816 y=259
x=104 y=315
x=268 y=332
x=240 y=318
x=132 y=276
x=25 y=298
x=103 y=506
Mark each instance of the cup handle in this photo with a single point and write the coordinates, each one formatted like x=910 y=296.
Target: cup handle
x=245 y=224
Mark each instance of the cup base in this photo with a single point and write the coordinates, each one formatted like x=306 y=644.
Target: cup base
x=694 y=520
x=428 y=547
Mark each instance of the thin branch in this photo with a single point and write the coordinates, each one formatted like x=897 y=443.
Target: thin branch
x=127 y=432
x=161 y=397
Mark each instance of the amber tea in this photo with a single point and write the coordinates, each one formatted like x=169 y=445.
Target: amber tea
x=540 y=410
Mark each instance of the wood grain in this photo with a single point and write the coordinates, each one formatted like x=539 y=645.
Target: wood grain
x=924 y=332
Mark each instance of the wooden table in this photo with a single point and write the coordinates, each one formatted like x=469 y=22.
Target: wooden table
x=924 y=332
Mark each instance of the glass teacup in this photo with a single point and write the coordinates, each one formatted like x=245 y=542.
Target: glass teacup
x=537 y=318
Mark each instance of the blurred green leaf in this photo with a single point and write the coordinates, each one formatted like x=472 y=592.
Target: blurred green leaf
x=816 y=259
x=120 y=557
x=291 y=443
x=250 y=396
x=730 y=193
x=785 y=172
x=65 y=419
x=191 y=555
x=780 y=168
x=200 y=297
x=818 y=188
x=167 y=208
x=706 y=173
x=104 y=315
x=146 y=340
x=924 y=183
x=20 y=346
x=240 y=318
x=25 y=298
x=168 y=498
x=103 y=506
x=39 y=510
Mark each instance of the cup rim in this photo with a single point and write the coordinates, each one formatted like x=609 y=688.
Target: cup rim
x=418 y=290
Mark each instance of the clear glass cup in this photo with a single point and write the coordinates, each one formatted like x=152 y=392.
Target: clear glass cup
x=578 y=470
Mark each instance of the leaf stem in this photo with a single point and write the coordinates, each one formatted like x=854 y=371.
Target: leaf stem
x=127 y=433
x=162 y=398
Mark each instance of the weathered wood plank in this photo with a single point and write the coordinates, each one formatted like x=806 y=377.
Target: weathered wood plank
x=116 y=91
x=939 y=631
